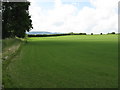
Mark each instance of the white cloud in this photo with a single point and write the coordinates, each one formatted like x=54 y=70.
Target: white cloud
x=63 y=18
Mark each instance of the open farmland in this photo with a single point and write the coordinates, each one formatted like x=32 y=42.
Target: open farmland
x=75 y=61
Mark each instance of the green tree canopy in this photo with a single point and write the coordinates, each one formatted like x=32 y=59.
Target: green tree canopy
x=15 y=19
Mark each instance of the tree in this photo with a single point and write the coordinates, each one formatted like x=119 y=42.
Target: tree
x=16 y=19
x=0 y=19
x=113 y=33
x=71 y=33
x=91 y=33
x=82 y=34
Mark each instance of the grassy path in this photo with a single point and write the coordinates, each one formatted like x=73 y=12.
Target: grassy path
x=10 y=50
x=67 y=62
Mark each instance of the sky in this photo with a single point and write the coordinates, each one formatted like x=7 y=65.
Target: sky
x=78 y=16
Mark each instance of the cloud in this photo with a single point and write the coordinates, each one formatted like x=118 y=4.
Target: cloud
x=68 y=18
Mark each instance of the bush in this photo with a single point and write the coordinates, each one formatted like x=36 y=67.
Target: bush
x=82 y=34
x=91 y=33
x=46 y=35
x=71 y=33
x=113 y=33
x=50 y=35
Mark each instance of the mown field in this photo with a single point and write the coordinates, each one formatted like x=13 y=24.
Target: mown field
x=75 y=61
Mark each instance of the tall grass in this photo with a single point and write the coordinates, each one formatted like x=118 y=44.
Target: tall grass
x=10 y=48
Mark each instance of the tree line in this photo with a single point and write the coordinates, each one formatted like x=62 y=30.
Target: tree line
x=64 y=34
x=15 y=19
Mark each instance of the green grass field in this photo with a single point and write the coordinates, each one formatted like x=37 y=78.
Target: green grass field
x=75 y=61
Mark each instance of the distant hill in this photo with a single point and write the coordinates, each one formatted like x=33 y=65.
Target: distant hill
x=42 y=32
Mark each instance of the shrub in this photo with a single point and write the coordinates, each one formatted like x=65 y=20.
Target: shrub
x=113 y=33
x=91 y=33
x=82 y=34
x=71 y=33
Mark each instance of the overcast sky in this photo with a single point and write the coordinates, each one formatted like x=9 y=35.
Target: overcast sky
x=89 y=16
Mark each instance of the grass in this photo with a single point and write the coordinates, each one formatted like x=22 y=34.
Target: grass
x=10 y=49
x=88 y=61
x=9 y=42
x=0 y=63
